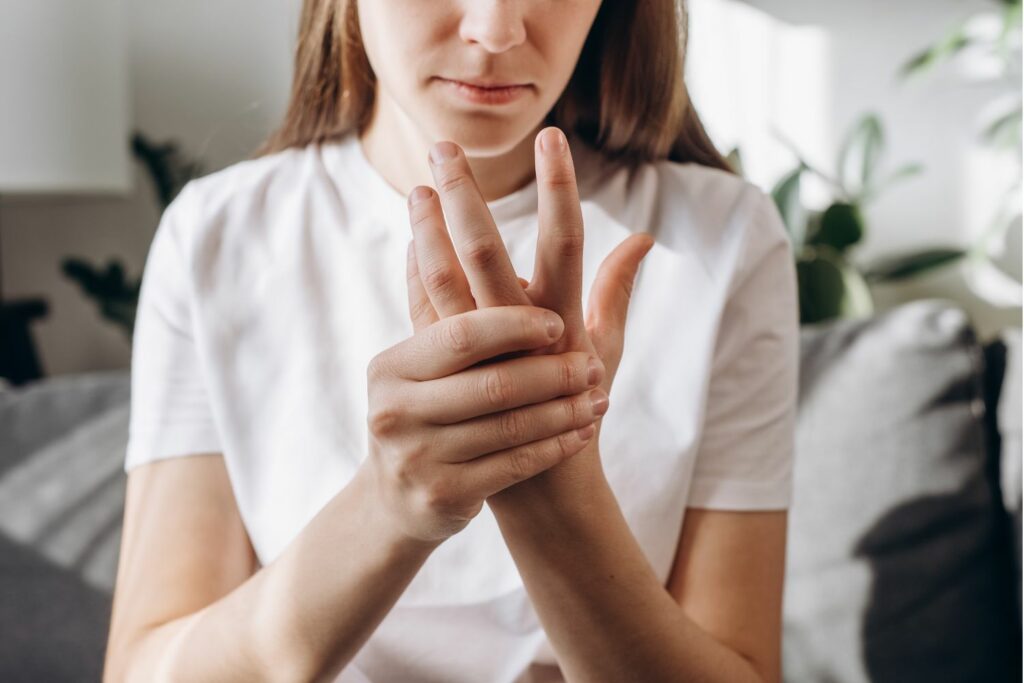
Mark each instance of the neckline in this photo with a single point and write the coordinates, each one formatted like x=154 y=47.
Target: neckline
x=348 y=163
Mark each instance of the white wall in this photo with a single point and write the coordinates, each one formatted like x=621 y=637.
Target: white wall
x=811 y=68
x=215 y=76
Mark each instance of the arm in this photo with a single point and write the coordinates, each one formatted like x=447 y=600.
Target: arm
x=190 y=603
x=604 y=609
x=606 y=613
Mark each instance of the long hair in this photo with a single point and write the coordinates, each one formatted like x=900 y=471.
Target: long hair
x=626 y=97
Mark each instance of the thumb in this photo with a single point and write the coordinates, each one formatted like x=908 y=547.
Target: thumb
x=608 y=303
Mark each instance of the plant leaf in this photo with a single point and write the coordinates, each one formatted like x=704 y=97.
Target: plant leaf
x=841 y=227
x=904 y=266
x=786 y=195
x=949 y=46
x=861 y=152
x=1005 y=131
x=902 y=173
x=829 y=287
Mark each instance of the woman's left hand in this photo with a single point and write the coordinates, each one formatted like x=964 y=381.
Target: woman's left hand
x=439 y=286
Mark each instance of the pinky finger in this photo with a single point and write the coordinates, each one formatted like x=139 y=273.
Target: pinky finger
x=488 y=474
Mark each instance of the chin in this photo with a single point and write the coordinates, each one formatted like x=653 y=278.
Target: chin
x=484 y=136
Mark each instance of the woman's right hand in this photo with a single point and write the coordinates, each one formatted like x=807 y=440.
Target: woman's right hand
x=447 y=429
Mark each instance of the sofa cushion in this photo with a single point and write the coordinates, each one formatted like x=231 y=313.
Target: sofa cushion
x=1009 y=427
x=894 y=537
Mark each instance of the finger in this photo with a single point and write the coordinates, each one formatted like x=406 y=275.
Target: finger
x=421 y=311
x=477 y=241
x=456 y=343
x=439 y=267
x=520 y=426
x=524 y=282
x=497 y=387
x=608 y=304
x=489 y=474
x=558 y=266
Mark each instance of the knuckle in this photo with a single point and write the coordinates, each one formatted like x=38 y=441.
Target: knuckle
x=512 y=426
x=406 y=465
x=566 y=444
x=452 y=182
x=482 y=252
x=570 y=374
x=457 y=335
x=576 y=412
x=439 y=279
x=375 y=368
x=383 y=420
x=440 y=496
x=421 y=214
x=530 y=325
x=520 y=462
x=420 y=309
x=499 y=387
x=569 y=242
x=561 y=180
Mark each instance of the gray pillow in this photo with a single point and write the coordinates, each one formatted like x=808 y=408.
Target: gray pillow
x=893 y=562
x=1009 y=427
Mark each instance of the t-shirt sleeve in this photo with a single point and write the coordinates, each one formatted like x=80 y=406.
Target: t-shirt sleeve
x=170 y=413
x=745 y=455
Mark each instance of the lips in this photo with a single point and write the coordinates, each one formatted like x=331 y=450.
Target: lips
x=484 y=95
x=488 y=84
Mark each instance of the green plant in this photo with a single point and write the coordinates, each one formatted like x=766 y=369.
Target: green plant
x=830 y=285
x=115 y=294
x=1002 y=131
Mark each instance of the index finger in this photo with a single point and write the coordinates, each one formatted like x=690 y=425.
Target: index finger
x=460 y=341
x=492 y=279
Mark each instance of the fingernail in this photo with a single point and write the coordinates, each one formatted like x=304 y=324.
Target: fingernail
x=585 y=432
x=554 y=326
x=419 y=194
x=599 y=401
x=593 y=371
x=552 y=140
x=442 y=152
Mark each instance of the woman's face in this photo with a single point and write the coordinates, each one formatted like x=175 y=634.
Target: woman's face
x=417 y=47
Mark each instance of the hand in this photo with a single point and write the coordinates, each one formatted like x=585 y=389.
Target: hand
x=447 y=429
x=443 y=288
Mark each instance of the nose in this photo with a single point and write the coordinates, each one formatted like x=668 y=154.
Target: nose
x=496 y=25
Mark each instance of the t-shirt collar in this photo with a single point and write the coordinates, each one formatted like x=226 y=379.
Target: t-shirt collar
x=350 y=166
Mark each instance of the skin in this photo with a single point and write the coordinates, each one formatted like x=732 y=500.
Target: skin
x=603 y=609
x=410 y=43
x=730 y=608
x=192 y=601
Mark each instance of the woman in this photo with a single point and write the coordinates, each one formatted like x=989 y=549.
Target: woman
x=347 y=424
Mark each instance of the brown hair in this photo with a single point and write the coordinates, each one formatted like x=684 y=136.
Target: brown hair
x=616 y=105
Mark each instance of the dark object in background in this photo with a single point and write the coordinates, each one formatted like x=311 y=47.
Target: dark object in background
x=19 y=362
x=116 y=295
x=903 y=559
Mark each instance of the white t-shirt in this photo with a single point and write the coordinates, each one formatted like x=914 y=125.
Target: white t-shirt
x=270 y=284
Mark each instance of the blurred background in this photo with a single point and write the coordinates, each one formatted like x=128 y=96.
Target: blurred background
x=889 y=135
x=781 y=81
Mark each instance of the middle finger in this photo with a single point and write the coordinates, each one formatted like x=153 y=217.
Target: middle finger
x=491 y=276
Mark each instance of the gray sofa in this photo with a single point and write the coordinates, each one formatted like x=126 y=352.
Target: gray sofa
x=904 y=538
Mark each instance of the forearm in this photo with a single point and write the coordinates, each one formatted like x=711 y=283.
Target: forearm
x=301 y=618
x=601 y=605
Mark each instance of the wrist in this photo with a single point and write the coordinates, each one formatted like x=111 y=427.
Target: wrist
x=570 y=488
x=398 y=542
